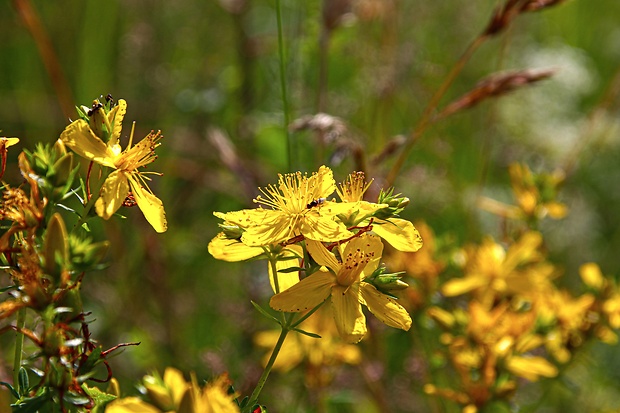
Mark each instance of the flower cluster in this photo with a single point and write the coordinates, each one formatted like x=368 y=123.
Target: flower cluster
x=496 y=309
x=321 y=248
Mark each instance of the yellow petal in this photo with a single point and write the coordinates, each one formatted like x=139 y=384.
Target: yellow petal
x=263 y=226
x=83 y=141
x=9 y=141
x=322 y=255
x=113 y=194
x=246 y=217
x=175 y=382
x=231 y=250
x=306 y=294
x=286 y=279
x=385 y=308
x=150 y=205
x=531 y=368
x=399 y=233
x=592 y=276
x=323 y=182
x=115 y=117
x=372 y=247
x=130 y=405
x=556 y=210
x=323 y=228
x=460 y=286
x=348 y=314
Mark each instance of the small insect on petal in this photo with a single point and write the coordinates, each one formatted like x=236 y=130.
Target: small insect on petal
x=315 y=203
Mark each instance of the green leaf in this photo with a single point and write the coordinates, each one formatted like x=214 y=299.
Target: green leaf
x=264 y=312
x=32 y=404
x=307 y=333
x=23 y=381
x=93 y=359
x=292 y=269
x=11 y=389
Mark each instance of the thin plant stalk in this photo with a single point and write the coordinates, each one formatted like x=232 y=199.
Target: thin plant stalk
x=19 y=345
x=292 y=150
x=268 y=367
x=427 y=115
x=31 y=20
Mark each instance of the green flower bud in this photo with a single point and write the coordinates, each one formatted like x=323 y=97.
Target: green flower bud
x=231 y=231
x=396 y=204
x=85 y=254
x=56 y=248
x=387 y=282
x=390 y=283
x=61 y=170
x=60 y=148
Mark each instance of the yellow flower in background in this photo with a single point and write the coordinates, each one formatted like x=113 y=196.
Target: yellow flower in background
x=399 y=233
x=126 y=177
x=343 y=281
x=424 y=265
x=592 y=276
x=492 y=271
x=319 y=356
x=535 y=195
x=299 y=208
x=173 y=394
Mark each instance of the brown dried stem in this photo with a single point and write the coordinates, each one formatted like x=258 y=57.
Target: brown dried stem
x=497 y=84
x=425 y=120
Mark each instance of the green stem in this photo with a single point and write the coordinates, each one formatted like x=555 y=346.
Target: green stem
x=19 y=345
x=274 y=269
x=292 y=150
x=268 y=367
x=89 y=204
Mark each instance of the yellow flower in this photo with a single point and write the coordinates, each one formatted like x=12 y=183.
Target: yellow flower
x=531 y=367
x=126 y=177
x=344 y=283
x=592 y=276
x=173 y=394
x=493 y=272
x=318 y=356
x=399 y=233
x=299 y=209
x=536 y=194
x=6 y=142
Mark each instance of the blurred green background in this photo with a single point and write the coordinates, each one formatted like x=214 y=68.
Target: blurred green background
x=207 y=74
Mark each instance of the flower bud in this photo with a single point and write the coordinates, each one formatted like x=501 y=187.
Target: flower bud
x=85 y=254
x=396 y=204
x=56 y=248
x=387 y=282
x=231 y=231
x=60 y=148
x=61 y=170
